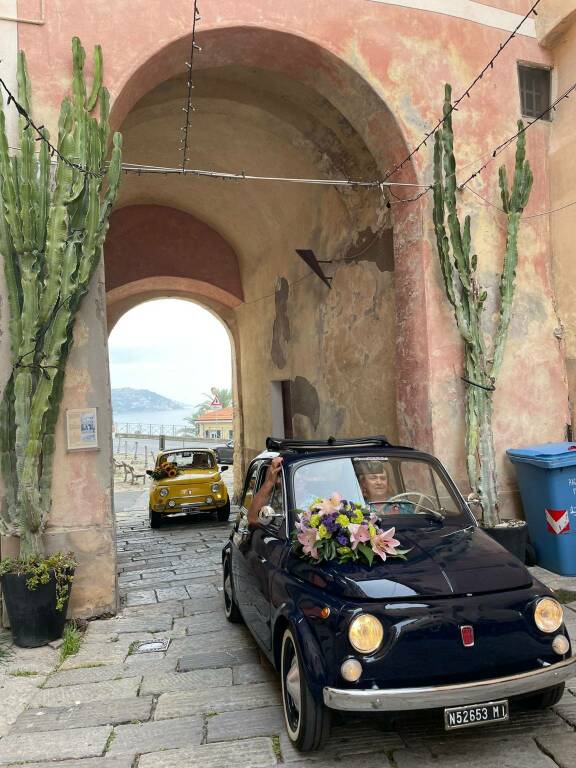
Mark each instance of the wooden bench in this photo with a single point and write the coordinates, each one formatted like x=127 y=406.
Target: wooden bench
x=129 y=470
x=118 y=465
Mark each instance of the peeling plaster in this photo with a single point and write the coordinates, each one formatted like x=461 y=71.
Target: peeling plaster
x=281 y=328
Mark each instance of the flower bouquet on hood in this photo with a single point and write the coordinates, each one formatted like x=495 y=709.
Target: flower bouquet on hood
x=336 y=529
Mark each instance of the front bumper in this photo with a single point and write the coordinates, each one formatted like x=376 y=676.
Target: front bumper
x=433 y=697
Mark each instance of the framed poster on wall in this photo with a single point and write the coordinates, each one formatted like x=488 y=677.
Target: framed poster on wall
x=82 y=429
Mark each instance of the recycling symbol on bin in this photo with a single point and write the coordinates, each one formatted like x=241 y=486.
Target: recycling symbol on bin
x=557 y=521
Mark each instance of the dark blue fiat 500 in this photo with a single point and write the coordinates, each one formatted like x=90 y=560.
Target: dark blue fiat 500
x=458 y=624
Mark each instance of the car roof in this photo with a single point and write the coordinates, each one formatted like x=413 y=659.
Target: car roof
x=293 y=451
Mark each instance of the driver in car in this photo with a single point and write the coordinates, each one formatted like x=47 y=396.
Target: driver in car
x=375 y=484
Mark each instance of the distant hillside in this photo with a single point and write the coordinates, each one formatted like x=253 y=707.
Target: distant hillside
x=126 y=399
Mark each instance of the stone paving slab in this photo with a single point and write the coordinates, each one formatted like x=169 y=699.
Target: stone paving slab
x=266 y=721
x=561 y=748
x=89 y=762
x=215 y=659
x=97 y=653
x=142 y=624
x=252 y=753
x=216 y=700
x=171 y=593
x=155 y=736
x=87 y=715
x=150 y=664
x=254 y=673
x=566 y=708
x=62 y=745
x=141 y=597
x=172 y=608
x=224 y=641
x=85 y=675
x=78 y=694
x=183 y=681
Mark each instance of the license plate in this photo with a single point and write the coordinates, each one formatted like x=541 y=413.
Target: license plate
x=476 y=714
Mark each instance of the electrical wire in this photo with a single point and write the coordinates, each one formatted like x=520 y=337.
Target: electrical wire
x=465 y=94
x=522 y=218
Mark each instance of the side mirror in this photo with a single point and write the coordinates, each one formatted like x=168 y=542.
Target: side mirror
x=224 y=467
x=149 y=472
x=267 y=513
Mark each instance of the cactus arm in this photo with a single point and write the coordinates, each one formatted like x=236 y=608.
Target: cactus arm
x=96 y=79
x=516 y=199
x=9 y=197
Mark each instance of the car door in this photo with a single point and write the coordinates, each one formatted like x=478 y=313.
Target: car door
x=241 y=543
x=263 y=559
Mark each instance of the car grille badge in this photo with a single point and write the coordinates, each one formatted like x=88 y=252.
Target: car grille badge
x=467 y=634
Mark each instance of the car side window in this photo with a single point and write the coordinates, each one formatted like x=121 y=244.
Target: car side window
x=277 y=524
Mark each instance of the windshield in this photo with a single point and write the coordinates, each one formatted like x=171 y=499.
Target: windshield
x=188 y=459
x=386 y=485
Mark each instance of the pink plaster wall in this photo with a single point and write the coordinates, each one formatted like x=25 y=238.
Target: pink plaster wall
x=150 y=240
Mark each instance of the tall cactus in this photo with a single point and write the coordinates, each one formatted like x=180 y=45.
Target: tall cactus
x=458 y=266
x=52 y=231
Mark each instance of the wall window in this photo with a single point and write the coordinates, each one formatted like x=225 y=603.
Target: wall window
x=535 y=90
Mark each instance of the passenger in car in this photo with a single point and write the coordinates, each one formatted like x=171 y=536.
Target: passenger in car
x=263 y=494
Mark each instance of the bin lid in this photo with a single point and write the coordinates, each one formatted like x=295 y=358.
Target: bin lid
x=547 y=455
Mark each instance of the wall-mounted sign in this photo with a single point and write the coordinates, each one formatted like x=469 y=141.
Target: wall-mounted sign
x=81 y=429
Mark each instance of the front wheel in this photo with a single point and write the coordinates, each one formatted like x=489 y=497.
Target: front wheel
x=307 y=720
x=154 y=518
x=223 y=513
x=546 y=698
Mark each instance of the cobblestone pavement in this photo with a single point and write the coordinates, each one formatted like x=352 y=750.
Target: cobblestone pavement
x=210 y=699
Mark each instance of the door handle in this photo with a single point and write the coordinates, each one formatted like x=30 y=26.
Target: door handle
x=262 y=559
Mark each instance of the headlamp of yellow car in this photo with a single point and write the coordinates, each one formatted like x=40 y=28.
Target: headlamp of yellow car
x=215 y=487
x=548 y=615
x=366 y=633
x=163 y=492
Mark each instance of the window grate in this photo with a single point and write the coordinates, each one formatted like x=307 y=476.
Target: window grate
x=535 y=88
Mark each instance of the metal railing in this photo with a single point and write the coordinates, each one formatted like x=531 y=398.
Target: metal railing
x=140 y=429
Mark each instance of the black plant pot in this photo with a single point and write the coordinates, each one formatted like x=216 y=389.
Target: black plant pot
x=514 y=538
x=34 y=618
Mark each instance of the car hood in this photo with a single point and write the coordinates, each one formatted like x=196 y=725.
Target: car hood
x=441 y=563
x=190 y=478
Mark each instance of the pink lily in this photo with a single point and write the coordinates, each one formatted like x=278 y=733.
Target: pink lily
x=384 y=543
x=303 y=521
x=308 y=537
x=359 y=533
x=328 y=506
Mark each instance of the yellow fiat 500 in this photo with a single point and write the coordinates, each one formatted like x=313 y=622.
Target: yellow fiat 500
x=188 y=481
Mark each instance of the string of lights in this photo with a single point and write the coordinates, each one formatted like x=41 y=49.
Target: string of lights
x=465 y=94
x=511 y=139
x=38 y=129
x=189 y=108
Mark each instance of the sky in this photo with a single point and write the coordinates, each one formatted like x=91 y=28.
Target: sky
x=172 y=347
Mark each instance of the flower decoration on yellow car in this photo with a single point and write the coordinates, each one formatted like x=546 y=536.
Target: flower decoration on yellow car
x=336 y=529
x=166 y=469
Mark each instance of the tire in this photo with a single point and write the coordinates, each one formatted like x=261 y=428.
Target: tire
x=223 y=514
x=307 y=720
x=546 y=698
x=231 y=610
x=154 y=518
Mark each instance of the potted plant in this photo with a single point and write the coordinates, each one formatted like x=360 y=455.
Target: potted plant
x=53 y=221
x=483 y=347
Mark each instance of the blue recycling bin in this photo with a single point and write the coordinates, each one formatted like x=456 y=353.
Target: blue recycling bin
x=547 y=479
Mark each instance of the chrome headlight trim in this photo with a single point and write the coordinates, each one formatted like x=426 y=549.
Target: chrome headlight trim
x=163 y=492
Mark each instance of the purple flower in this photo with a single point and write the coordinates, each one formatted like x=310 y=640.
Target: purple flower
x=342 y=539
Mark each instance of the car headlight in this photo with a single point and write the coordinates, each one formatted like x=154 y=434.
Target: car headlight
x=215 y=487
x=366 y=633
x=163 y=492
x=548 y=614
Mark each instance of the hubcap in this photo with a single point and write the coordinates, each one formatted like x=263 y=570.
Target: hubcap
x=293 y=683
